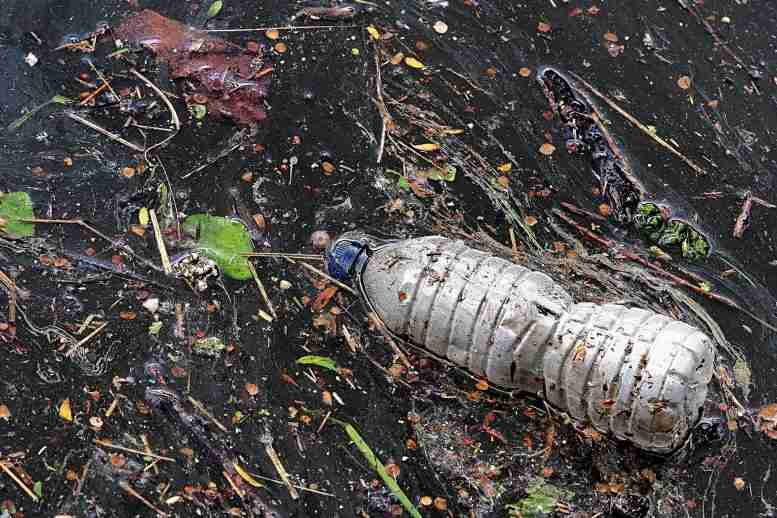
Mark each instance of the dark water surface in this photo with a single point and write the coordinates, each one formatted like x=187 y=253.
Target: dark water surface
x=322 y=93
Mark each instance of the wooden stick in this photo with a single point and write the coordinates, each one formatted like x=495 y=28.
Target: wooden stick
x=19 y=481
x=91 y=335
x=147 y=447
x=284 y=476
x=322 y=274
x=261 y=289
x=634 y=257
x=102 y=78
x=131 y=450
x=199 y=406
x=160 y=244
x=93 y=94
x=129 y=489
x=99 y=129
x=90 y=228
x=286 y=28
x=743 y=219
x=170 y=107
x=641 y=126
x=306 y=257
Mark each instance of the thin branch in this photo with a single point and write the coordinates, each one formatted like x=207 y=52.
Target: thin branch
x=641 y=126
x=99 y=129
x=286 y=28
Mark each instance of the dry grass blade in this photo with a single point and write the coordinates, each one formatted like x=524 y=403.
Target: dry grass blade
x=629 y=117
x=132 y=450
x=160 y=243
x=170 y=107
x=263 y=292
x=130 y=490
x=99 y=129
x=199 y=406
x=19 y=481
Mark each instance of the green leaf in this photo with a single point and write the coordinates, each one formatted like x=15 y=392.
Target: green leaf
x=15 y=206
x=223 y=240
x=215 y=9
x=695 y=246
x=403 y=183
x=155 y=328
x=541 y=500
x=439 y=174
x=199 y=111
x=38 y=488
x=321 y=361
x=378 y=466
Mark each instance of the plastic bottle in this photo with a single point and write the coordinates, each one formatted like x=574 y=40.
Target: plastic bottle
x=632 y=373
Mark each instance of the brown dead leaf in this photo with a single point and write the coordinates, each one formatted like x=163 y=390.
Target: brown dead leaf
x=65 y=412
x=524 y=72
x=611 y=37
x=684 y=82
x=547 y=149
x=323 y=298
x=5 y=413
x=543 y=27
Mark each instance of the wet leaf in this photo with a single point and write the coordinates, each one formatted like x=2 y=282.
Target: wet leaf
x=5 y=413
x=445 y=174
x=245 y=476
x=16 y=206
x=543 y=27
x=222 y=240
x=505 y=168
x=373 y=32
x=199 y=111
x=440 y=27
x=323 y=298
x=319 y=361
x=37 y=488
x=65 y=411
x=272 y=34
x=280 y=47
x=684 y=82
x=541 y=500
x=214 y=9
x=428 y=146
x=530 y=220
x=414 y=63
x=252 y=389
x=739 y=484
x=547 y=149
x=155 y=328
x=611 y=37
x=397 y=58
x=328 y=168
x=208 y=346
x=143 y=216
x=375 y=464
x=524 y=72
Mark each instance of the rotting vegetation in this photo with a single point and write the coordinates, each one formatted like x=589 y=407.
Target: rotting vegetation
x=438 y=149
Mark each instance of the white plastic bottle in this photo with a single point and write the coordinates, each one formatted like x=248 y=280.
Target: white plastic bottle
x=632 y=373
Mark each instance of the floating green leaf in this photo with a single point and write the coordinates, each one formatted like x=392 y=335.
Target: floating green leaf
x=378 y=466
x=209 y=346
x=14 y=207
x=215 y=9
x=38 y=488
x=439 y=174
x=155 y=328
x=320 y=361
x=223 y=240
x=199 y=111
x=541 y=500
x=695 y=246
